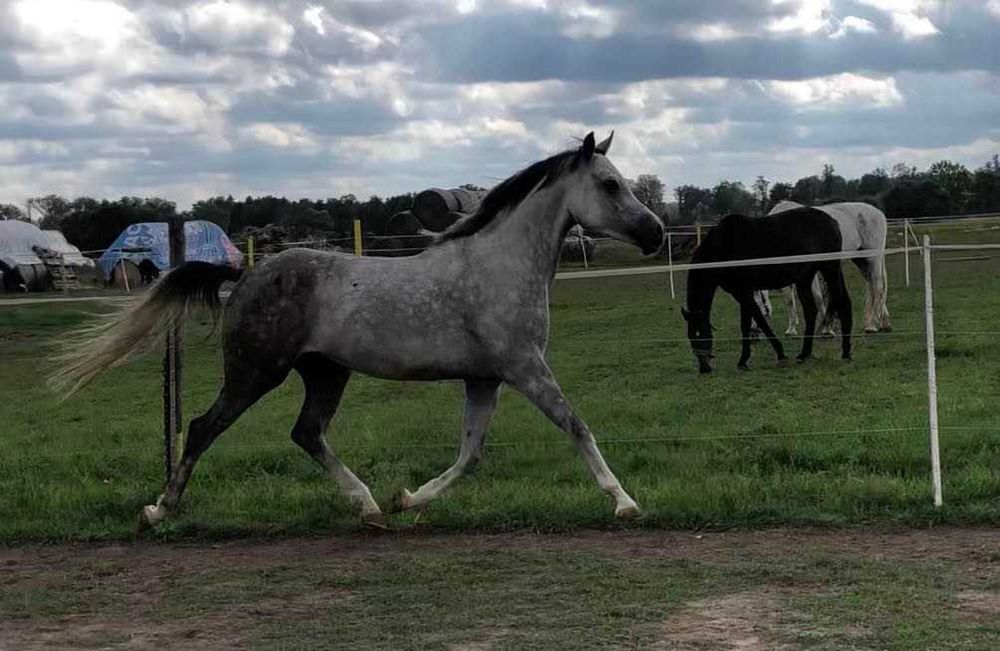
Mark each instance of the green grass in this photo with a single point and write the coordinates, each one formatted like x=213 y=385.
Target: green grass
x=826 y=442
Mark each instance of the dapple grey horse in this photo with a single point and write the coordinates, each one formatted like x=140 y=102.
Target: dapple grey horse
x=863 y=228
x=474 y=307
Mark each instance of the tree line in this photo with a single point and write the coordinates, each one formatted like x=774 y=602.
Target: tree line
x=945 y=188
x=904 y=192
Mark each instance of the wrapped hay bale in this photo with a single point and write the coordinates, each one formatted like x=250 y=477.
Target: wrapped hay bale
x=437 y=209
x=404 y=223
x=577 y=244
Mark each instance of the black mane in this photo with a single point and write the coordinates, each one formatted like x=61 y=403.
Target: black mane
x=510 y=193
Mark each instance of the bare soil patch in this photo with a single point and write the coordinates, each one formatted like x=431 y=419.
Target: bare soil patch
x=132 y=579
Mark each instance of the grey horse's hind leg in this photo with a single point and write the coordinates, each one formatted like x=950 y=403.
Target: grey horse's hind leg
x=870 y=272
x=480 y=402
x=535 y=381
x=324 y=385
x=792 y=309
x=234 y=398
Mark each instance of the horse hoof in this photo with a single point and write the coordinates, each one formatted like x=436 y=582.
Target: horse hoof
x=149 y=517
x=375 y=520
x=401 y=501
x=871 y=330
x=743 y=367
x=885 y=328
x=628 y=512
x=801 y=360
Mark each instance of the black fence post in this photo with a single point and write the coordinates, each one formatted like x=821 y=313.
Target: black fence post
x=172 y=422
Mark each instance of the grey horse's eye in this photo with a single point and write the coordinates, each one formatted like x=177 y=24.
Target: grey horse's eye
x=611 y=186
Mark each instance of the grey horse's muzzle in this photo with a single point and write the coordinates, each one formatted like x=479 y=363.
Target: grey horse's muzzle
x=649 y=236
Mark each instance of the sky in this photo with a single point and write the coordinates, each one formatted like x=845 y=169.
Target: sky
x=186 y=100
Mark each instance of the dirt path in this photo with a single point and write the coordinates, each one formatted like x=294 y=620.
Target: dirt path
x=147 y=594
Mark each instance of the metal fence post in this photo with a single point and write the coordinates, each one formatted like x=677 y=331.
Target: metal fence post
x=670 y=264
x=172 y=418
x=906 y=249
x=932 y=406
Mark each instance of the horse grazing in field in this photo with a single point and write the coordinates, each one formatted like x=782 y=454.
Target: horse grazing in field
x=473 y=307
x=797 y=232
x=862 y=228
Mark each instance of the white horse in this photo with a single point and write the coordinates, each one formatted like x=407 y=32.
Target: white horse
x=863 y=228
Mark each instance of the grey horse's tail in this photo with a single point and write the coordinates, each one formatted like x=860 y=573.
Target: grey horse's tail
x=121 y=335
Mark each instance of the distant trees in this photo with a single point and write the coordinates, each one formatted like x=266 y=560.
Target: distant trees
x=10 y=211
x=944 y=188
x=648 y=189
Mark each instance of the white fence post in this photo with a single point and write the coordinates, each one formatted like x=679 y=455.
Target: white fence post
x=906 y=249
x=670 y=265
x=931 y=374
x=583 y=248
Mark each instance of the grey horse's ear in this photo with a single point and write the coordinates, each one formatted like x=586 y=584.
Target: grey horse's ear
x=603 y=146
x=587 y=149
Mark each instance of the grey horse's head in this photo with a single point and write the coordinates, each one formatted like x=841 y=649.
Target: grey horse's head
x=605 y=204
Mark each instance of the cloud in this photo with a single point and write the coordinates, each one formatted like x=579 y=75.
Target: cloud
x=319 y=97
x=906 y=15
x=838 y=91
x=232 y=25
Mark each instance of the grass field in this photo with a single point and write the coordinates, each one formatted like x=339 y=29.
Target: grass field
x=822 y=443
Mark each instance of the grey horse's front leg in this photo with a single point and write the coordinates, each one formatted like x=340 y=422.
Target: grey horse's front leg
x=480 y=402
x=534 y=379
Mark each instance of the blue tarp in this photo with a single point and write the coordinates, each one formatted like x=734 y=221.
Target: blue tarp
x=205 y=241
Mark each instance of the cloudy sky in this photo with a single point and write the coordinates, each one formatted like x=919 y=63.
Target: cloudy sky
x=320 y=98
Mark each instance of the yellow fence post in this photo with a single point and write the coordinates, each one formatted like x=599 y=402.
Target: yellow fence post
x=250 y=252
x=358 y=250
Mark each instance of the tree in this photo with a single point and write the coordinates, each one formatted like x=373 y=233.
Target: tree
x=51 y=210
x=954 y=179
x=807 y=190
x=986 y=186
x=911 y=198
x=10 y=211
x=731 y=197
x=873 y=183
x=217 y=210
x=780 y=192
x=833 y=186
x=903 y=172
x=760 y=195
x=692 y=200
x=648 y=189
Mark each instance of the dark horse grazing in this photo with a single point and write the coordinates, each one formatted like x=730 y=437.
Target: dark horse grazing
x=148 y=271
x=801 y=231
x=474 y=307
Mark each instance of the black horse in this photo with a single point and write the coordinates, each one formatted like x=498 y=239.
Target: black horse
x=148 y=271
x=801 y=231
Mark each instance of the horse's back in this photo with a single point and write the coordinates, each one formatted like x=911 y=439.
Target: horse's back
x=798 y=231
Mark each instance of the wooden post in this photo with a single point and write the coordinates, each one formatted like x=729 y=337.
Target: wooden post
x=173 y=428
x=250 y=252
x=583 y=248
x=698 y=233
x=358 y=248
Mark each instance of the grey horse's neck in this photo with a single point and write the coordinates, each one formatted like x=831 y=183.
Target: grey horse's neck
x=527 y=241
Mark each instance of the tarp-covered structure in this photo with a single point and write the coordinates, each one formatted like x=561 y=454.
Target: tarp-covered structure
x=22 y=269
x=205 y=242
x=17 y=242
x=70 y=254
